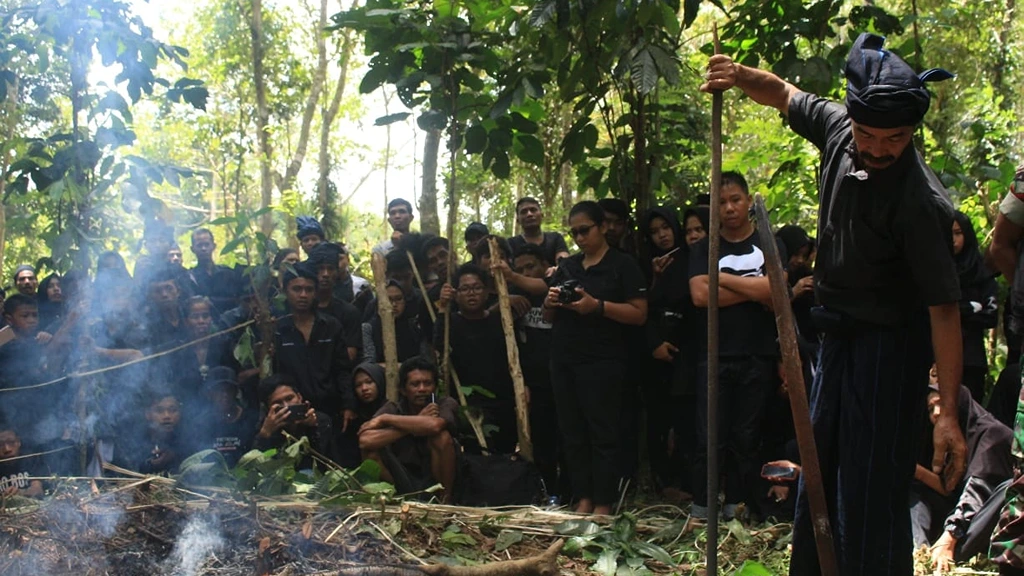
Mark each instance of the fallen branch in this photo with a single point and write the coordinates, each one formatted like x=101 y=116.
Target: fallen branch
x=544 y=564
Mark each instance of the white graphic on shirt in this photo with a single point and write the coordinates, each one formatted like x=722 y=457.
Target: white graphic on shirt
x=751 y=264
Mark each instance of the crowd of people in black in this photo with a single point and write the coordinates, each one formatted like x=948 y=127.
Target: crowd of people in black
x=612 y=342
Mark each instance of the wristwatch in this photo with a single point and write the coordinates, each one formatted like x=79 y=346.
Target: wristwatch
x=600 y=307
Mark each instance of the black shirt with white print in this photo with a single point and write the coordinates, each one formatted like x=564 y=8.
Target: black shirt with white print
x=747 y=328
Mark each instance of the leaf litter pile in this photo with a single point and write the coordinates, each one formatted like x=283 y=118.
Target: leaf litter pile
x=264 y=518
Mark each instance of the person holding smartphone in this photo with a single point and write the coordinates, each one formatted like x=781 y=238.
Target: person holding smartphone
x=287 y=411
x=594 y=294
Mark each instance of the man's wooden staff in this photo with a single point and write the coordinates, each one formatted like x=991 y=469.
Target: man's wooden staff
x=714 y=249
x=518 y=384
x=387 y=324
x=797 y=392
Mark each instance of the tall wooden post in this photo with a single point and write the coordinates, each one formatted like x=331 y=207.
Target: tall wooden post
x=387 y=323
x=714 y=249
x=810 y=467
x=518 y=384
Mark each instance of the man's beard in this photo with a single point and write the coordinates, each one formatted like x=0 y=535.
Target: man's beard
x=875 y=162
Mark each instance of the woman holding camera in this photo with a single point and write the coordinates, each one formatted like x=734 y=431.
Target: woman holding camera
x=594 y=294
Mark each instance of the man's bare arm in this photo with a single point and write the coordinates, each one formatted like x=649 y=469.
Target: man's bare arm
x=947 y=438
x=700 y=288
x=762 y=86
x=755 y=289
x=1002 y=253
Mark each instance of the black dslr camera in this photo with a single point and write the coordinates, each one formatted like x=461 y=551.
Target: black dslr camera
x=567 y=293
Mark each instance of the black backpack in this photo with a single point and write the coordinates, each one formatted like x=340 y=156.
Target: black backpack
x=497 y=480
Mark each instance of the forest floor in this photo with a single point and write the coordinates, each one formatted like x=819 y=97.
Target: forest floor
x=152 y=526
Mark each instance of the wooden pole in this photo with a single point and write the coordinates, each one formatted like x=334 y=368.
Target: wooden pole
x=714 y=249
x=475 y=422
x=387 y=323
x=810 y=467
x=518 y=384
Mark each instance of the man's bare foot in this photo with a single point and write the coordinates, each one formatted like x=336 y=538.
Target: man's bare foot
x=585 y=506
x=603 y=510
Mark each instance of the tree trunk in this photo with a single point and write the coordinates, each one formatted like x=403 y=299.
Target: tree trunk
x=262 y=115
x=999 y=68
x=312 y=99
x=429 y=222
x=328 y=116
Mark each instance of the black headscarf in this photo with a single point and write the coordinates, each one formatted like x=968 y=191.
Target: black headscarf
x=703 y=213
x=307 y=225
x=49 y=311
x=376 y=373
x=969 y=264
x=673 y=288
x=669 y=215
x=883 y=91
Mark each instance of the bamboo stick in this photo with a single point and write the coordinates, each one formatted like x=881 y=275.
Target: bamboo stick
x=387 y=323
x=518 y=384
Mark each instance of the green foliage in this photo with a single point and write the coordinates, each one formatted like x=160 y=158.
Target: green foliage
x=72 y=165
x=614 y=550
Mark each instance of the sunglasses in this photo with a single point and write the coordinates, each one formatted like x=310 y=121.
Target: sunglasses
x=582 y=230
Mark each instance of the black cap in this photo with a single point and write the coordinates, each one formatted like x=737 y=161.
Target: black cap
x=220 y=375
x=476 y=229
x=883 y=91
x=325 y=253
x=303 y=269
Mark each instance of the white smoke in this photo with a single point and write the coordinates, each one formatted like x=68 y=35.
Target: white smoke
x=198 y=541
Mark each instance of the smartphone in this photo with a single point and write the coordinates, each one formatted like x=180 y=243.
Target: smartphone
x=297 y=412
x=778 y=472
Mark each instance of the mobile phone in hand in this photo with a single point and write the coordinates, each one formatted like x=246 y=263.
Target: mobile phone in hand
x=784 y=473
x=297 y=412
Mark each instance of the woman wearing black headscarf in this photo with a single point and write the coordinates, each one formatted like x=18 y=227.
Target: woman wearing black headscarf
x=671 y=327
x=51 y=303
x=978 y=304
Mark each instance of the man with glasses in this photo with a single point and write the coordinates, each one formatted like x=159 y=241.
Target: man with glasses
x=478 y=354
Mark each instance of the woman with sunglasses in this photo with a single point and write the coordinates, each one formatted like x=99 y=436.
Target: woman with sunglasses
x=593 y=295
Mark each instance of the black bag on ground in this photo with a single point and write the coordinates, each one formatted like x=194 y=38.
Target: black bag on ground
x=497 y=481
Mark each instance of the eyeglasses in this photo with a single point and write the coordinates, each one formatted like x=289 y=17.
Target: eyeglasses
x=396 y=299
x=474 y=289
x=581 y=231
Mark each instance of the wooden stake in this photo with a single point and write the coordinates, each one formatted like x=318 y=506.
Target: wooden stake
x=514 y=368
x=714 y=250
x=387 y=323
x=810 y=467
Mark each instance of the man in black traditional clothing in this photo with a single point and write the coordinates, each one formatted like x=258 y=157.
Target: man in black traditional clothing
x=885 y=276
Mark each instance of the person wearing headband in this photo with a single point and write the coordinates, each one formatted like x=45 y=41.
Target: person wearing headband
x=887 y=288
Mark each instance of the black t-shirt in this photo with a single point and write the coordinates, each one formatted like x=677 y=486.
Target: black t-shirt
x=885 y=241
x=231 y=439
x=479 y=356
x=533 y=335
x=351 y=321
x=747 y=328
x=16 y=473
x=553 y=244
x=321 y=367
x=616 y=278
